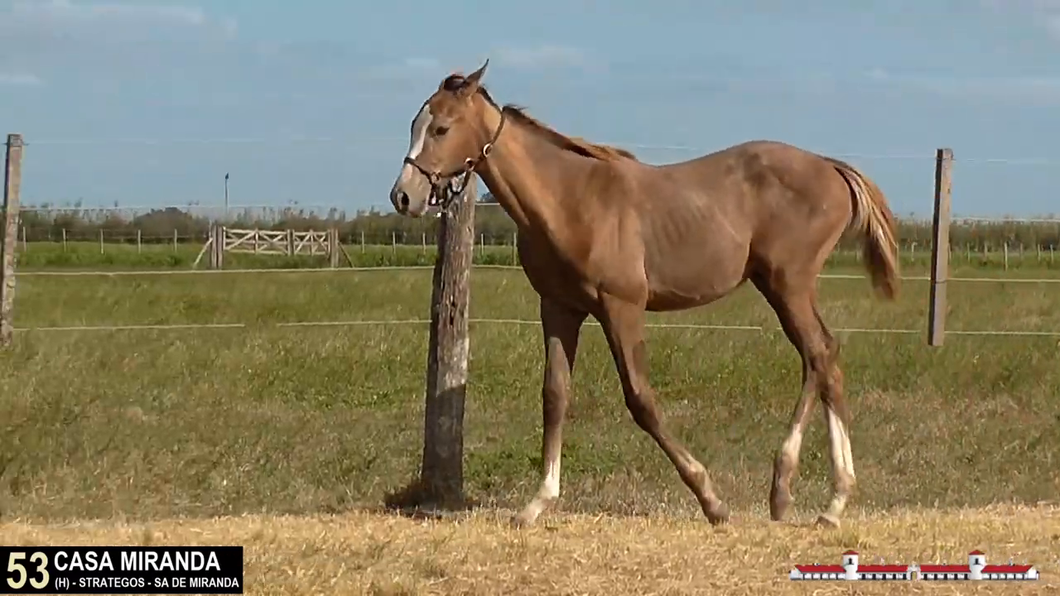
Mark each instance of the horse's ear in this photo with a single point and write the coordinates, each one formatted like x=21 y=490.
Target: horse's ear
x=473 y=80
x=452 y=83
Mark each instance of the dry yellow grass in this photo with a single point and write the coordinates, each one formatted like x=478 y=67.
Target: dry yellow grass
x=477 y=553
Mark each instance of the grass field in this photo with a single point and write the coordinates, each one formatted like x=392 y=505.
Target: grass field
x=141 y=428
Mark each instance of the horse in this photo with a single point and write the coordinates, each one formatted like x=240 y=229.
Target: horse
x=601 y=233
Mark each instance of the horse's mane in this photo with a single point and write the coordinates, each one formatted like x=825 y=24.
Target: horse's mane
x=574 y=144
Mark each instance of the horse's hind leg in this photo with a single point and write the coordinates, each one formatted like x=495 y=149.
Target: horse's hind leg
x=623 y=325
x=796 y=310
x=838 y=416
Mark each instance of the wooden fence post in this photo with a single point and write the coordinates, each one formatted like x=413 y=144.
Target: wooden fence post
x=217 y=246
x=441 y=482
x=12 y=183
x=334 y=247
x=940 y=247
x=221 y=233
x=211 y=246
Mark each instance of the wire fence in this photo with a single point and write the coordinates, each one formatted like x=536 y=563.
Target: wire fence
x=49 y=228
x=910 y=251
x=384 y=268
x=171 y=237
x=405 y=322
x=625 y=143
x=59 y=240
x=490 y=321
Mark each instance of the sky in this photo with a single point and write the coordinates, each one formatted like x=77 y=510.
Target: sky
x=145 y=103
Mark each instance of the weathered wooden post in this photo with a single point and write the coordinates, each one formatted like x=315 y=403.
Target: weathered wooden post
x=334 y=247
x=217 y=246
x=12 y=183
x=211 y=247
x=442 y=472
x=441 y=481
x=222 y=231
x=940 y=248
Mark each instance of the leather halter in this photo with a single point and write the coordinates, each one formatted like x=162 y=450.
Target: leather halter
x=442 y=190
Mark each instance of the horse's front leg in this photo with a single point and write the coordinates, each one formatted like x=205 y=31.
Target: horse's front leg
x=561 y=327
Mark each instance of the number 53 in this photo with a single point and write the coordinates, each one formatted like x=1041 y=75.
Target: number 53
x=13 y=566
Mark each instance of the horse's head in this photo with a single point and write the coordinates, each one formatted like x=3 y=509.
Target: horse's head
x=446 y=144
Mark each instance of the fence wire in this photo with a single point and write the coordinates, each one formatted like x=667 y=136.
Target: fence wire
x=163 y=272
x=486 y=321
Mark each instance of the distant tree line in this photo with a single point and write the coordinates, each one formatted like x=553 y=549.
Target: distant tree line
x=492 y=226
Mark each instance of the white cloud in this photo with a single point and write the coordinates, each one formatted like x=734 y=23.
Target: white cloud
x=1042 y=13
x=69 y=11
x=417 y=63
x=1023 y=89
x=878 y=74
x=541 y=56
x=115 y=20
x=102 y=41
x=19 y=79
x=1052 y=25
x=1004 y=88
x=413 y=68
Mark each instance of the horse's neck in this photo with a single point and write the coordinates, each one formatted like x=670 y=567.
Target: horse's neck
x=522 y=173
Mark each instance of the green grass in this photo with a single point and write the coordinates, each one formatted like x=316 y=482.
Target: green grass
x=153 y=424
x=87 y=255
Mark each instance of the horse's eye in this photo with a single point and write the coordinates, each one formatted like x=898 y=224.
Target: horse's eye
x=441 y=130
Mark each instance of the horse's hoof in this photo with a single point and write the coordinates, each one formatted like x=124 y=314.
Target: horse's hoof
x=522 y=520
x=779 y=502
x=719 y=515
x=827 y=520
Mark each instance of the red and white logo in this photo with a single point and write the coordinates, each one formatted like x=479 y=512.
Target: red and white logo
x=975 y=570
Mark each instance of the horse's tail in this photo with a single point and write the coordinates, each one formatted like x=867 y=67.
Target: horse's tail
x=874 y=220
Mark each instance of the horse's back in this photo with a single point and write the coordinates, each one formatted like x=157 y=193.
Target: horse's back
x=706 y=221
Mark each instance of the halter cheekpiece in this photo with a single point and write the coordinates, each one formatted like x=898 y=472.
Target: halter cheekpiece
x=442 y=189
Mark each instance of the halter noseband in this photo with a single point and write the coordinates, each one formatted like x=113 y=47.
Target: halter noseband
x=442 y=190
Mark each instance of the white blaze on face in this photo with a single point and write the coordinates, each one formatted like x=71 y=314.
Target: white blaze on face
x=420 y=125
x=419 y=131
